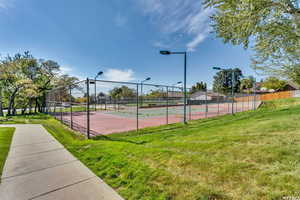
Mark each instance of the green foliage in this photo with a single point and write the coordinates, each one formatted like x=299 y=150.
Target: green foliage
x=223 y=81
x=247 y=84
x=199 y=86
x=156 y=94
x=123 y=92
x=25 y=80
x=6 y=135
x=272 y=26
x=273 y=83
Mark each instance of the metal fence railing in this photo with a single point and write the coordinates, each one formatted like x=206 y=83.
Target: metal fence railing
x=96 y=107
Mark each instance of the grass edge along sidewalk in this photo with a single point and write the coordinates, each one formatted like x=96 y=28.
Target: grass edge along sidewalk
x=252 y=155
x=6 y=135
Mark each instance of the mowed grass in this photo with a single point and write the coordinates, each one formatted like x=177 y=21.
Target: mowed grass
x=252 y=155
x=6 y=135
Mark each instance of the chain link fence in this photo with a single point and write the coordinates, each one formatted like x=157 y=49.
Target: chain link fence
x=98 y=107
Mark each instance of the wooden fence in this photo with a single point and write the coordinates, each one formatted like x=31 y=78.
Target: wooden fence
x=267 y=97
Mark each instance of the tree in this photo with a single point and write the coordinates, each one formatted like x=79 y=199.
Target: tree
x=247 y=84
x=25 y=80
x=16 y=72
x=199 y=86
x=64 y=83
x=273 y=83
x=271 y=26
x=122 y=92
x=156 y=94
x=48 y=71
x=223 y=81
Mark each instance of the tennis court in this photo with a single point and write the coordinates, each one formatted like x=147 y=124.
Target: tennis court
x=106 y=107
x=105 y=122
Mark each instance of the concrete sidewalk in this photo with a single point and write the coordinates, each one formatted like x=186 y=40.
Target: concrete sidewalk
x=40 y=168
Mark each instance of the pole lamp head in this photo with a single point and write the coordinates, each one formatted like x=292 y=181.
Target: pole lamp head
x=100 y=73
x=148 y=79
x=217 y=68
x=165 y=52
x=179 y=82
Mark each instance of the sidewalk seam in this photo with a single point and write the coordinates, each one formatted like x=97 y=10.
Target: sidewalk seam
x=38 y=170
x=31 y=154
x=61 y=188
x=21 y=145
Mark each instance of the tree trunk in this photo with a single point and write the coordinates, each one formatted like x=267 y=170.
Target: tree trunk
x=30 y=105
x=43 y=106
x=24 y=109
x=36 y=105
x=11 y=102
x=14 y=108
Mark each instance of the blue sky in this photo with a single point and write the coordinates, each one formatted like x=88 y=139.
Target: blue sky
x=120 y=37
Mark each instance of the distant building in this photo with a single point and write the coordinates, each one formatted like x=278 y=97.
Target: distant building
x=211 y=96
x=175 y=94
x=290 y=86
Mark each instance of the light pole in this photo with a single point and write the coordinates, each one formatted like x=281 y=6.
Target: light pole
x=142 y=82
x=184 y=78
x=179 y=82
x=232 y=86
x=173 y=90
x=98 y=74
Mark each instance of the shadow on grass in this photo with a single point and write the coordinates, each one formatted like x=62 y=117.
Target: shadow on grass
x=107 y=138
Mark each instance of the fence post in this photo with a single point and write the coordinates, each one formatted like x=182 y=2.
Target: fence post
x=243 y=102
x=218 y=101
x=71 y=109
x=190 y=109
x=96 y=99
x=60 y=98
x=254 y=95
x=228 y=103
x=236 y=105
x=206 y=106
x=137 y=106
x=189 y=104
x=167 y=105
x=88 y=106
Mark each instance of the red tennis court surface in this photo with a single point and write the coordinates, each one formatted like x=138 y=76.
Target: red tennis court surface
x=107 y=122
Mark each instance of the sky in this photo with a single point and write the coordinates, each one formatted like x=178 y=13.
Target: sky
x=122 y=38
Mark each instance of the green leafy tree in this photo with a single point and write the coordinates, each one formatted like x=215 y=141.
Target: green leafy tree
x=16 y=72
x=48 y=71
x=199 y=86
x=272 y=27
x=273 y=83
x=24 y=82
x=223 y=81
x=247 y=84
x=123 y=92
x=156 y=94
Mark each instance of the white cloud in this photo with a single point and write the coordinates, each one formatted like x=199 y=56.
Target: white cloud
x=65 y=70
x=161 y=44
x=112 y=74
x=120 y=20
x=5 y=4
x=70 y=71
x=186 y=17
x=196 y=41
x=119 y=75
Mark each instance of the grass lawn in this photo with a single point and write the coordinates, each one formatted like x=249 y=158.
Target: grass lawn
x=5 y=140
x=252 y=155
